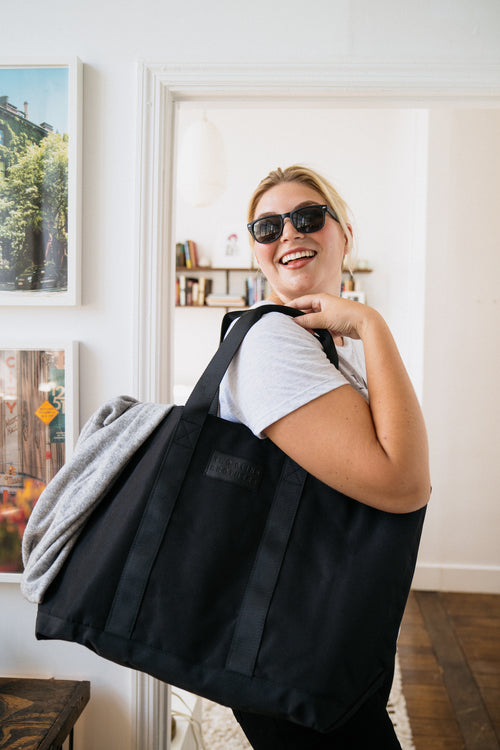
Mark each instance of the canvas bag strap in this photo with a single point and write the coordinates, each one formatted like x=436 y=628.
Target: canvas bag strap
x=263 y=580
x=198 y=404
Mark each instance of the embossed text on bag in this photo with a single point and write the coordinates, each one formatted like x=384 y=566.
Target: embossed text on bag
x=234 y=469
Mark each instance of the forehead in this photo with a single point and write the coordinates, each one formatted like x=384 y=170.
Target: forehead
x=285 y=197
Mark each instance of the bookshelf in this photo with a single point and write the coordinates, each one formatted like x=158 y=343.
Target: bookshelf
x=195 y=287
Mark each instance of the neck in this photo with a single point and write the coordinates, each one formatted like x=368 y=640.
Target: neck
x=273 y=297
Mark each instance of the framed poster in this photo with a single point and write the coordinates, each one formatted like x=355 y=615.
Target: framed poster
x=38 y=423
x=40 y=175
x=232 y=248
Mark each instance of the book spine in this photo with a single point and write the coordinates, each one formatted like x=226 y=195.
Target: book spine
x=193 y=253
x=180 y=255
x=182 y=291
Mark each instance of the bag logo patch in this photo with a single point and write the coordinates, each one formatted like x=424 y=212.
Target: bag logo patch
x=232 y=469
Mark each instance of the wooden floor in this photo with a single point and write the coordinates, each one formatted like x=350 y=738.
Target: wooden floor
x=449 y=651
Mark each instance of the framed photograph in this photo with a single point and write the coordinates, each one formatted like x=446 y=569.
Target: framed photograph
x=232 y=248
x=40 y=175
x=38 y=424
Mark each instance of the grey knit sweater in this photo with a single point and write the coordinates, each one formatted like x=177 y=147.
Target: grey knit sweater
x=109 y=438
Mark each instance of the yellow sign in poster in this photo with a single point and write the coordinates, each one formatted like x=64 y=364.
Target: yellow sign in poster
x=46 y=412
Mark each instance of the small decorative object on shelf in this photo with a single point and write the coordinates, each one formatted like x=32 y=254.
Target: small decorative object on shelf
x=354 y=295
x=351 y=288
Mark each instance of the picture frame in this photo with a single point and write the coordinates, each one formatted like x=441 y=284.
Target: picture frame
x=40 y=157
x=38 y=430
x=232 y=248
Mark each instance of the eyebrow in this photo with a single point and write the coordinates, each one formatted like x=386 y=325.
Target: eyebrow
x=299 y=205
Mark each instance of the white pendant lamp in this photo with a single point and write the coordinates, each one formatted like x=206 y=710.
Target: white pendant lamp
x=202 y=164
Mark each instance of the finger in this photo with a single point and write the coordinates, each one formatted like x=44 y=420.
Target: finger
x=312 y=320
x=307 y=302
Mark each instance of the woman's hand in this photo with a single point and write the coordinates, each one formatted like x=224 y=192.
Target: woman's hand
x=340 y=316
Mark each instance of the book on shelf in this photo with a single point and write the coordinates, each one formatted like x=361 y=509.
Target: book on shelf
x=255 y=287
x=186 y=254
x=190 y=291
x=225 y=300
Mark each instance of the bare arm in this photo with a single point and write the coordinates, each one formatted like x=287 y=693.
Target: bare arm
x=375 y=453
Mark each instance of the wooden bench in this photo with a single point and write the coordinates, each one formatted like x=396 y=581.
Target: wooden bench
x=40 y=714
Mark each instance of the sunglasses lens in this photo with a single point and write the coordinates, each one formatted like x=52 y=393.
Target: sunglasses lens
x=309 y=219
x=267 y=229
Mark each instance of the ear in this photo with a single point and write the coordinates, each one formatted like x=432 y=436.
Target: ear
x=348 y=241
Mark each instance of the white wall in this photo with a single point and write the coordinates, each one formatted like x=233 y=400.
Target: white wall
x=460 y=547
x=110 y=38
x=374 y=157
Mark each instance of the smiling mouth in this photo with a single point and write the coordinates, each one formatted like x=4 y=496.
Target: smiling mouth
x=286 y=259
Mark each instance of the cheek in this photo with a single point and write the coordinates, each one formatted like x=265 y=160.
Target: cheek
x=263 y=254
x=337 y=242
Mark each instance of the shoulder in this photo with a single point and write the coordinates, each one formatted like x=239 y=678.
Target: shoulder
x=278 y=368
x=276 y=334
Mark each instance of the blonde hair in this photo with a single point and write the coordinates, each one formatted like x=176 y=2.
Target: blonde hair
x=305 y=176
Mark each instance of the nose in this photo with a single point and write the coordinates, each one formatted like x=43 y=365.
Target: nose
x=289 y=231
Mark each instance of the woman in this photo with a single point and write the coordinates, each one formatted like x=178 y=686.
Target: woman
x=359 y=429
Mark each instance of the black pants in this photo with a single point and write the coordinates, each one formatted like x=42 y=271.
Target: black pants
x=370 y=727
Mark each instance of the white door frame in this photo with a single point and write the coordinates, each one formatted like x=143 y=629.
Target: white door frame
x=160 y=87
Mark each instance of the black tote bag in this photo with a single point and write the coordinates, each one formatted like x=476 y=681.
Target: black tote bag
x=217 y=564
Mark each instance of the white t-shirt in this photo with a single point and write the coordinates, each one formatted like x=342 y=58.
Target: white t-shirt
x=280 y=367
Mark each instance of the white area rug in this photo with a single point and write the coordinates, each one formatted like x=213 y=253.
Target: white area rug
x=221 y=731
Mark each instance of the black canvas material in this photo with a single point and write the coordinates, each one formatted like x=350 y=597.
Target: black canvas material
x=217 y=564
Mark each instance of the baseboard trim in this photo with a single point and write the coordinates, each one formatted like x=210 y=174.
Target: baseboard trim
x=474 y=579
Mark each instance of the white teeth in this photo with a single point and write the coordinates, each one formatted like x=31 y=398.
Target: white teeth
x=295 y=256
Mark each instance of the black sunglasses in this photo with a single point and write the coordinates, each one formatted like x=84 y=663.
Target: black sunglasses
x=306 y=219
